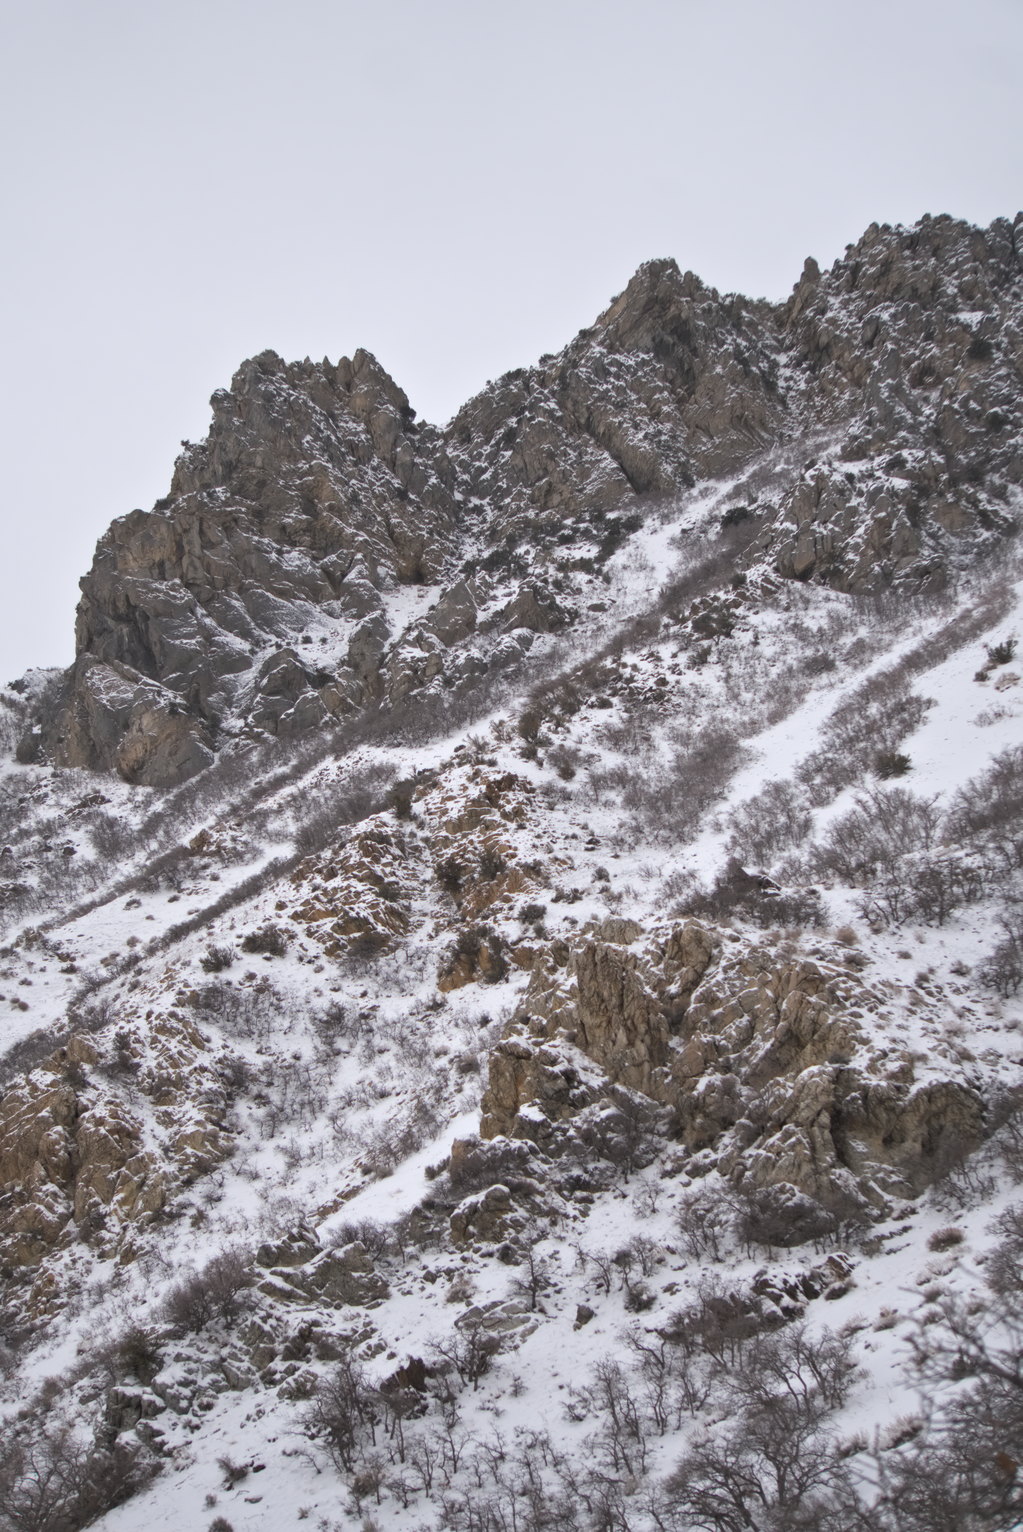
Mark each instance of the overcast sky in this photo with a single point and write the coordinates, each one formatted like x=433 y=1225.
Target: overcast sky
x=457 y=185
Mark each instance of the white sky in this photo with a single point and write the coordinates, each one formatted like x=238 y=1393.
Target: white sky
x=457 y=185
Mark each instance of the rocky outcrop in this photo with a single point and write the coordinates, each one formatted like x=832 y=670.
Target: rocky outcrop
x=257 y=597
x=342 y=1277
x=75 y=1159
x=906 y=354
x=355 y=899
x=766 y=1070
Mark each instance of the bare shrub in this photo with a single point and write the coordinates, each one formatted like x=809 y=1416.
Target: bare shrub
x=1003 y=969
x=399 y=797
x=871 y=722
x=134 y=1353
x=478 y=1163
x=53 y=1481
x=216 y=958
x=234 y=1473
x=344 y=1412
x=626 y=1129
x=891 y=763
x=779 y=1217
x=769 y=824
x=989 y=809
x=470 y=1351
x=113 y=839
x=753 y=897
x=815 y=1372
x=885 y=825
x=1001 y=653
x=215 y=1292
x=269 y=940
x=482 y=948
x=719 y=1321
x=611 y=1399
x=243 y=1010
x=374 y=1237
x=772 y=1467
x=704 y=1222
x=336 y=1023
x=326 y=812
x=532 y=914
x=962 y=1472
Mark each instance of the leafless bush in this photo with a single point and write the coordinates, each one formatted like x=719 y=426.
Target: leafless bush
x=815 y=1372
x=335 y=1023
x=1001 y=653
x=779 y=1217
x=29 y=1051
x=962 y=1472
x=215 y=1292
x=771 y=1463
x=53 y=1481
x=626 y=1129
x=240 y=1010
x=719 y=1321
x=344 y=1412
x=113 y=839
x=704 y=1222
x=134 y=1353
x=565 y=760
x=1003 y=968
x=216 y=958
x=374 y=1237
x=945 y=1239
x=964 y=1174
x=872 y=721
x=769 y=824
x=886 y=824
x=750 y=896
x=774 y=1467
x=269 y=940
x=327 y=811
x=470 y=1351
x=234 y=1473
x=891 y=763
x=988 y=810
x=611 y=1399
x=482 y=948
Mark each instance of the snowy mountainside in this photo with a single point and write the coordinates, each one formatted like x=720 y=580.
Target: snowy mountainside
x=578 y=1090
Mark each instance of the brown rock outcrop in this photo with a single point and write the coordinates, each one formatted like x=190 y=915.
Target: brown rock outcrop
x=356 y=898
x=767 y=1072
x=71 y=1161
x=75 y=1161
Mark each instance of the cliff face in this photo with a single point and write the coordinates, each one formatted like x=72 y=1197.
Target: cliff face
x=322 y=551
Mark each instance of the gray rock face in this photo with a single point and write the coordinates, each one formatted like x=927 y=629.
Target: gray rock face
x=264 y=595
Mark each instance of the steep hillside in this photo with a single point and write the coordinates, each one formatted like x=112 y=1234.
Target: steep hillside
x=514 y=940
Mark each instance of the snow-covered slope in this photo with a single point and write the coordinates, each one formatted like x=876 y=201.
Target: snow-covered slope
x=583 y=1096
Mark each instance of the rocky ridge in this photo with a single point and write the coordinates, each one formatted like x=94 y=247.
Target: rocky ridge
x=323 y=552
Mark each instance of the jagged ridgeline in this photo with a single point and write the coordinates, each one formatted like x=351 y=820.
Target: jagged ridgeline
x=273 y=590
